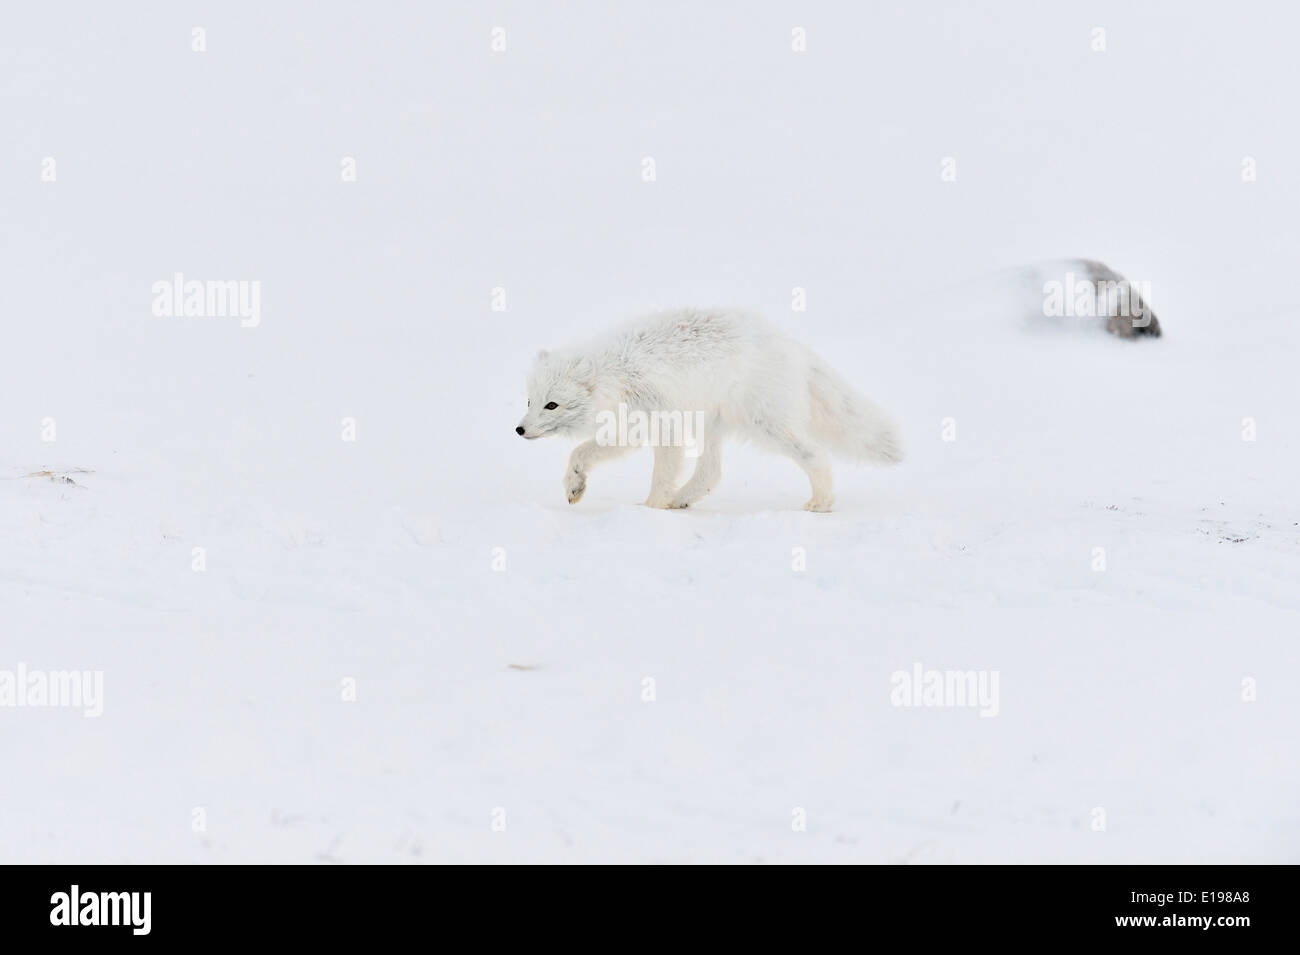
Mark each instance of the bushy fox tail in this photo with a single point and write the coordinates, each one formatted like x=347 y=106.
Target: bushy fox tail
x=847 y=423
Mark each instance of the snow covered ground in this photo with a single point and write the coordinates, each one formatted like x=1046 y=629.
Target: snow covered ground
x=408 y=648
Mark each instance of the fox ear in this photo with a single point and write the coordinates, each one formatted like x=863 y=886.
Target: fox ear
x=585 y=373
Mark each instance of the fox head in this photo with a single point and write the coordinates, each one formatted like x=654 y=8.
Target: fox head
x=560 y=397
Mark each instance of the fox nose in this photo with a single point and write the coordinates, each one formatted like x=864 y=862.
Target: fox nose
x=519 y=430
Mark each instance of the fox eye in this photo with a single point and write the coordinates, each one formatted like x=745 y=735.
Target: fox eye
x=550 y=406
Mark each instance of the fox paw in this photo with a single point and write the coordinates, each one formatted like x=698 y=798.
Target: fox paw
x=575 y=483
x=664 y=504
x=819 y=506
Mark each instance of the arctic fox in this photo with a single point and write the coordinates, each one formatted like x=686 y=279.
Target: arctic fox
x=731 y=372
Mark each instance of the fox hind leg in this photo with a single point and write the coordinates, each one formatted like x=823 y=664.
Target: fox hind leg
x=810 y=456
x=818 y=468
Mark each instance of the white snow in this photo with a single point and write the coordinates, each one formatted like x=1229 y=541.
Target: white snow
x=521 y=689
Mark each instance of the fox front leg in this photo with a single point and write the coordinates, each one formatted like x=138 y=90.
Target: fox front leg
x=575 y=483
x=663 y=483
x=708 y=471
x=584 y=457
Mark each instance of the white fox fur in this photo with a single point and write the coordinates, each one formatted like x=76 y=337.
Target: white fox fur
x=744 y=379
